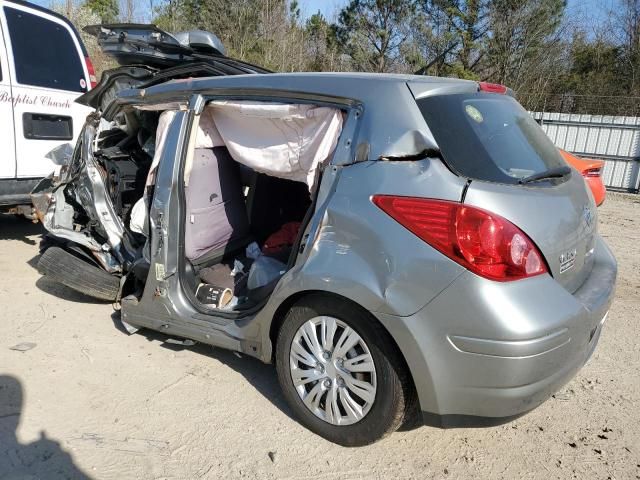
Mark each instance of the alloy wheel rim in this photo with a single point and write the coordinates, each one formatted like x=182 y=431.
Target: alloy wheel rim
x=333 y=371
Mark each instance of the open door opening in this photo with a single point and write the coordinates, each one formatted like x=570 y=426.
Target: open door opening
x=251 y=177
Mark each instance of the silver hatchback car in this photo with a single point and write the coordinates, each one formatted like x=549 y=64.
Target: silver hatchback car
x=396 y=245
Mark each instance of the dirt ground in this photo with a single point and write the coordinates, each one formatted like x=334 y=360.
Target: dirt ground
x=89 y=401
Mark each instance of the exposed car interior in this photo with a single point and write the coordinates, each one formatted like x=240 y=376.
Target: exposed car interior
x=125 y=151
x=249 y=180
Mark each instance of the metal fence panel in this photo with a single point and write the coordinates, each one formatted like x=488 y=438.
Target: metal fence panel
x=614 y=139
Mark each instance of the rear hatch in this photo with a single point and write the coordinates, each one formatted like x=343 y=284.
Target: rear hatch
x=149 y=55
x=491 y=140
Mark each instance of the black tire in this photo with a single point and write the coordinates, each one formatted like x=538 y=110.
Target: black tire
x=394 y=387
x=78 y=274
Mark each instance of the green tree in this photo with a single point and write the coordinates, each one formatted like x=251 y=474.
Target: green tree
x=266 y=32
x=467 y=18
x=107 y=10
x=434 y=40
x=524 y=45
x=448 y=37
x=628 y=26
x=322 y=46
x=597 y=68
x=373 y=33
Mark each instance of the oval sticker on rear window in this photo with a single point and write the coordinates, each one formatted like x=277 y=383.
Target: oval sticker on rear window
x=474 y=113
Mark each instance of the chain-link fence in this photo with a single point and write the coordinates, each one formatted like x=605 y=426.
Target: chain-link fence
x=581 y=104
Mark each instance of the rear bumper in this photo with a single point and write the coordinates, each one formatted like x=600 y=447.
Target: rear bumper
x=497 y=350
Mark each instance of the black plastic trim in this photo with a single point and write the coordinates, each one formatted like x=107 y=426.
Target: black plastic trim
x=465 y=421
x=17 y=191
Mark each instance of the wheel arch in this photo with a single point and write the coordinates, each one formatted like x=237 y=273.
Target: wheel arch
x=285 y=306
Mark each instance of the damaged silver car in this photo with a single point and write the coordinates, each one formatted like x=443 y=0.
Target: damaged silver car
x=396 y=245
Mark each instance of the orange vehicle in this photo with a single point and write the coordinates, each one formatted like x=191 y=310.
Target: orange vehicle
x=591 y=170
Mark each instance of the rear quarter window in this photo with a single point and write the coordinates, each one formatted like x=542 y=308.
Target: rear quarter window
x=44 y=52
x=489 y=137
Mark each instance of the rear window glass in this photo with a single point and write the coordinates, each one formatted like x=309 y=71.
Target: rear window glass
x=488 y=137
x=44 y=52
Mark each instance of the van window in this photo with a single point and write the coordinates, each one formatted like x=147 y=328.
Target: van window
x=485 y=136
x=44 y=52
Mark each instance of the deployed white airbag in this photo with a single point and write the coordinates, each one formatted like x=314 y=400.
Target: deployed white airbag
x=207 y=135
x=164 y=121
x=282 y=140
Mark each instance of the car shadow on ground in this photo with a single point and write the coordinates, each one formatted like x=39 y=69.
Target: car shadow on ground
x=261 y=376
x=13 y=227
x=42 y=458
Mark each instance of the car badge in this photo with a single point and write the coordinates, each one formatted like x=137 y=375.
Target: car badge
x=567 y=260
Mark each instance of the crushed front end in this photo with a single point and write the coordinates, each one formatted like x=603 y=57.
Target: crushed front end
x=86 y=204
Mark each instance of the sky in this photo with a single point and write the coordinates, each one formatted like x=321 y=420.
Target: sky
x=329 y=8
x=587 y=11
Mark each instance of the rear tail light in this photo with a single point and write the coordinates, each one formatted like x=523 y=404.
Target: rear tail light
x=480 y=241
x=592 y=172
x=492 y=88
x=93 y=81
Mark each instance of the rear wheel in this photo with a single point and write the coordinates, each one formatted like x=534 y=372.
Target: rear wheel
x=78 y=274
x=340 y=372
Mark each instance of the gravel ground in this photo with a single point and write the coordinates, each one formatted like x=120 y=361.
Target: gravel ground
x=86 y=400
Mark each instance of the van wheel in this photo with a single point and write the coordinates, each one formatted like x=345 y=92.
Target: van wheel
x=78 y=274
x=340 y=372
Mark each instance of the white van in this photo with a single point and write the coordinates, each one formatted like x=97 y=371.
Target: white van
x=44 y=67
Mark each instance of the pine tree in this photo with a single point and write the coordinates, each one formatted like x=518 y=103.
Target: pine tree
x=373 y=32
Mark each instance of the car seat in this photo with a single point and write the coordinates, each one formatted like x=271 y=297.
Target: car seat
x=216 y=222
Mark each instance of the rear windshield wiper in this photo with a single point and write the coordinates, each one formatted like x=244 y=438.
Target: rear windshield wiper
x=557 y=172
